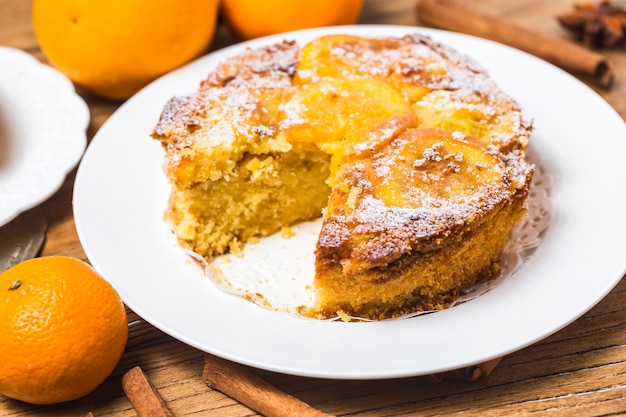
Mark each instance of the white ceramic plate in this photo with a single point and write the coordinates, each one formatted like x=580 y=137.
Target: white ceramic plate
x=42 y=131
x=121 y=193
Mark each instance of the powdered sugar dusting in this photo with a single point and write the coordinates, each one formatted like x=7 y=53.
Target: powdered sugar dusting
x=228 y=113
x=244 y=107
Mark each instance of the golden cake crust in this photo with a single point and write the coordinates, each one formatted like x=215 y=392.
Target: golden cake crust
x=401 y=197
x=205 y=133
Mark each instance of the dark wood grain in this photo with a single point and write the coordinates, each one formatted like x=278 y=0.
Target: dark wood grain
x=578 y=371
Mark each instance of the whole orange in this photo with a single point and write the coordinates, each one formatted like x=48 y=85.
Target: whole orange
x=253 y=18
x=114 y=48
x=63 y=329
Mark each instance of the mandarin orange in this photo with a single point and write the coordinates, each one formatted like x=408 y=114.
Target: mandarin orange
x=252 y=18
x=63 y=330
x=114 y=48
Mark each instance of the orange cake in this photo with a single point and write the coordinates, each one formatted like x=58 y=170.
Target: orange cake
x=412 y=154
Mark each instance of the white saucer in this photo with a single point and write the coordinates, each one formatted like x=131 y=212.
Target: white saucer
x=43 y=126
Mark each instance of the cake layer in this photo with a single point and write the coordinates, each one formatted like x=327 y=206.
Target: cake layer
x=260 y=196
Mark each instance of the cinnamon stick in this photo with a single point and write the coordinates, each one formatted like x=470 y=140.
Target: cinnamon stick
x=143 y=395
x=455 y=15
x=468 y=374
x=248 y=388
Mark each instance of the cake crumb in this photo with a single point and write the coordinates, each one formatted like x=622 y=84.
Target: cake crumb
x=343 y=316
x=286 y=232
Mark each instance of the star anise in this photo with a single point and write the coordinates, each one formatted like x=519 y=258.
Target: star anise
x=602 y=25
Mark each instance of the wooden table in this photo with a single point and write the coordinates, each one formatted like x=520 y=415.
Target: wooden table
x=581 y=370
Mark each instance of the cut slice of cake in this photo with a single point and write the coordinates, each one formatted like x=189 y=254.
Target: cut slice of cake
x=412 y=221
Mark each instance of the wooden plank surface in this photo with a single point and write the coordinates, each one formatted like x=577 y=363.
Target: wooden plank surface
x=580 y=370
